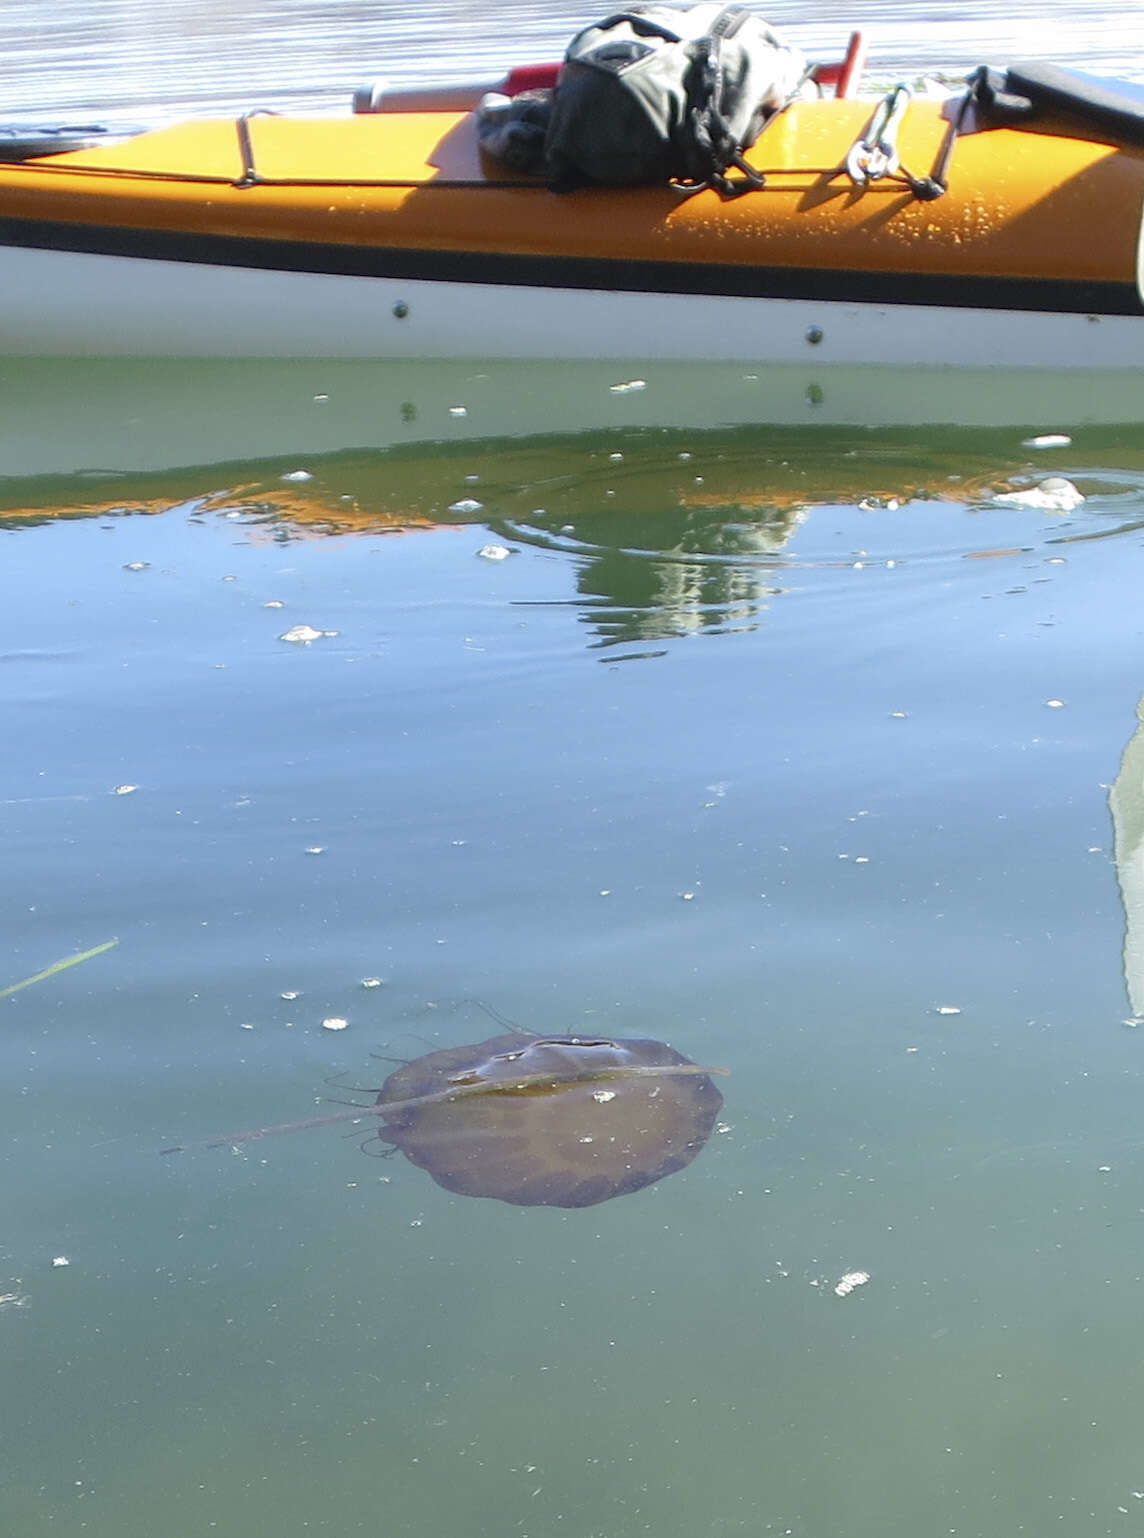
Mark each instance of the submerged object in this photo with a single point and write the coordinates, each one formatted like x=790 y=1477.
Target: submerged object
x=541 y=1121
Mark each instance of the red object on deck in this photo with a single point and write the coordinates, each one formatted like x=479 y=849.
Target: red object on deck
x=530 y=77
x=847 y=76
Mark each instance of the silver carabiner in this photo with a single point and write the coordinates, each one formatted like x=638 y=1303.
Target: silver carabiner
x=875 y=154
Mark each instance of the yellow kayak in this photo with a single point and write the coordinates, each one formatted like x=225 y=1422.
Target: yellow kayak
x=391 y=235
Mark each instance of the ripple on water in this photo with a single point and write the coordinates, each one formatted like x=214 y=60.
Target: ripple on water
x=671 y=532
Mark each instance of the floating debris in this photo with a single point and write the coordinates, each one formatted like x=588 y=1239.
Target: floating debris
x=274 y=603
x=290 y=994
x=628 y=387
x=302 y=635
x=371 y=982
x=60 y=1260
x=334 y=1023
x=494 y=552
x=316 y=849
x=1047 y=441
x=58 y=966
x=12 y=1299
x=124 y=790
x=138 y=566
x=246 y=1026
x=1053 y=495
x=297 y=475
x=466 y=505
x=849 y=1283
x=1055 y=704
x=458 y=411
x=948 y=1009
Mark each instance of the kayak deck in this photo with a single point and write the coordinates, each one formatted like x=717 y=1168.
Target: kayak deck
x=1020 y=204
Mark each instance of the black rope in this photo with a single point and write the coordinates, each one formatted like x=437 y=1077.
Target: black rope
x=753 y=178
x=927 y=188
x=206 y=179
x=250 y=176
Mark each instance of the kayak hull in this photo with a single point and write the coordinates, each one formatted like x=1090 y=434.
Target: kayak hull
x=89 y=305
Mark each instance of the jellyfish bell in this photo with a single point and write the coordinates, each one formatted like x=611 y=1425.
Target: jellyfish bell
x=549 y=1121
x=540 y=1121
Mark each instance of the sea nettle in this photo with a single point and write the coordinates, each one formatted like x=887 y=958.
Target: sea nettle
x=541 y=1121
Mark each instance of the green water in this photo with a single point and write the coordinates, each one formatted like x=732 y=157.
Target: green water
x=746 y=746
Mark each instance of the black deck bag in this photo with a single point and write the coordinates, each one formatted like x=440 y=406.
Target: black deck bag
x=512 y=129
x=662 y=93
x=1036 y=90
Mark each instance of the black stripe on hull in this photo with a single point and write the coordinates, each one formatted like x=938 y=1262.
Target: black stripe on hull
x=1047 y=295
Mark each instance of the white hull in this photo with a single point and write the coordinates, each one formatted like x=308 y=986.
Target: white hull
x=59 y=303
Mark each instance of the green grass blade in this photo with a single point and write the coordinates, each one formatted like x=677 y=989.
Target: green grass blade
x=59 y=966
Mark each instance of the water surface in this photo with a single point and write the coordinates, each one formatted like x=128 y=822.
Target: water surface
x=790 y=746
x=181 y=55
